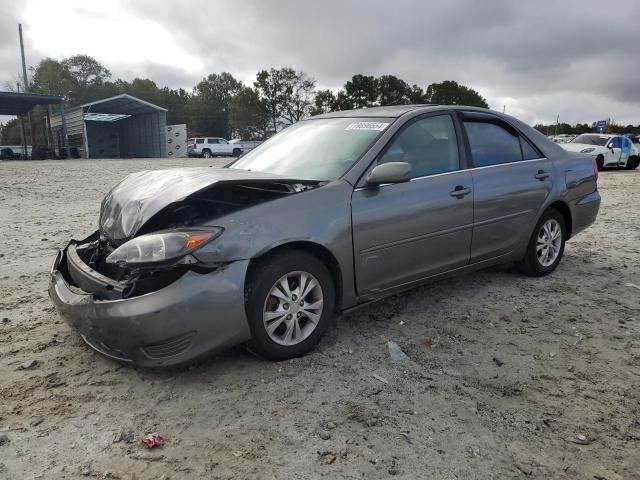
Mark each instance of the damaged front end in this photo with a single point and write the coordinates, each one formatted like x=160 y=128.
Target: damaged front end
x=149 y=287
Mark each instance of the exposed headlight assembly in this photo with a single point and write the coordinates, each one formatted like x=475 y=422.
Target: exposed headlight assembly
x=162 y=247
x=587 y=150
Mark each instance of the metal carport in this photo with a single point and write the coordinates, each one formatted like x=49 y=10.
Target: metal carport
x=19 y=104
x=117 y=127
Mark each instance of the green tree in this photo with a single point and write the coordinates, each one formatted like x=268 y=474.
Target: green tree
x=417 y=95
x=175 y=101
x=208 y=107
x=52 y=77
x=361 y=91
x=324 y=102
x=274 y=91
x=248 y=115
x=450 y=92
x=393 y=91
x=10 y=133
x=144 y=89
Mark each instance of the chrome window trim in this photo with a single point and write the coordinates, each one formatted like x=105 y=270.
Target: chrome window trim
x=454 y=171
x=509 y=163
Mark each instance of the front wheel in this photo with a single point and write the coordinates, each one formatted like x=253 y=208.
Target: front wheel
x=290 y=304
x=546 y=246
x=236 y=152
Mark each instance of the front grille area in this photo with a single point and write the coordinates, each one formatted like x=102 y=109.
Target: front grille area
x=170 y=347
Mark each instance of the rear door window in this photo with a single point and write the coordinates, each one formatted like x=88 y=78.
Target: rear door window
x=212 y=140
x=492 y=144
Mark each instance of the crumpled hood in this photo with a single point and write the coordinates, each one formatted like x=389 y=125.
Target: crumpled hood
x=132 y=202
x=577 y=147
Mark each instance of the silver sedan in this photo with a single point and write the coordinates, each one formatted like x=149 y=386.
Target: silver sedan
x=331 y=213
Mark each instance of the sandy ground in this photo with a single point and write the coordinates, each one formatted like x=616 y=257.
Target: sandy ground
x=507 y=375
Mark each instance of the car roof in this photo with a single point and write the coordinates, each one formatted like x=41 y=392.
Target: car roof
x=396 y=111
x=392 y=111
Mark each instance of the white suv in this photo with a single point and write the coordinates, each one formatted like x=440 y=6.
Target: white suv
x=211 y=147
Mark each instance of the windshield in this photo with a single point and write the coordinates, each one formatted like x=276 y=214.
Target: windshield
x=321 y=149
x=590 y=140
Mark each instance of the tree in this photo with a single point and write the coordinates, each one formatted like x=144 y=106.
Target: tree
x=208 y=107
x=10 y=133
x=51 y=77
x=361 y=91
x=417 y=95
x=248 y=115
x=299 y=103
x=288 y=95
x=175 y=101
x=393 y=91
x=144 y=89
x=324 y=102
x=450 y=92
x=86 y=70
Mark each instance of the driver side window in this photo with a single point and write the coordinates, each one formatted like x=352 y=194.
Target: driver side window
x=429 y=145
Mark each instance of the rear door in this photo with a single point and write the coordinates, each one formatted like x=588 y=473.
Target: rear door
x=511 y=181
x=407 y=231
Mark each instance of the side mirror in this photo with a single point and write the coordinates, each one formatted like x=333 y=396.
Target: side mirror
x=392 y=172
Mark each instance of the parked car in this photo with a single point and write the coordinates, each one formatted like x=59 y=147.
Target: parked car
x=8 y=154
x=330 y=214
x=606 y=150
x=212 y=147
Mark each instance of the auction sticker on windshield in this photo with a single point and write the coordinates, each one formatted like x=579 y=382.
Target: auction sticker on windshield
x=367 y=126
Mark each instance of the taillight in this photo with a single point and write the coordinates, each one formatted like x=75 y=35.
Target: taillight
x=595 y=169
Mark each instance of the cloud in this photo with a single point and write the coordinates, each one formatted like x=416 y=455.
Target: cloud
x=540 y=59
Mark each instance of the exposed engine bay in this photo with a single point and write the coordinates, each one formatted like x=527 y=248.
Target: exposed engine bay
x=85 y=265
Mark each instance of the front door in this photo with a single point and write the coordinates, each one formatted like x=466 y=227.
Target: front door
x=511 y=182
x=613 y=155
x=408 y=231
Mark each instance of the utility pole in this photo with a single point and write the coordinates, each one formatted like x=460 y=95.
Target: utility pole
x=557 y=123
x=25 y=84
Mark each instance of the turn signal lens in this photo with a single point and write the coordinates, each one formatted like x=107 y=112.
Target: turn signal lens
x=194 y=240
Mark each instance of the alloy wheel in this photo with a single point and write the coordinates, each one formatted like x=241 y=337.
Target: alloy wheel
x=549 y=242
x=293 y=308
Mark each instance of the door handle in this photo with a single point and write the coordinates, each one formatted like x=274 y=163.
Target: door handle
x=460 y=191
x=542 y=175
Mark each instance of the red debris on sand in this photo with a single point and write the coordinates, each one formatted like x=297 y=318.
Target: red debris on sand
x=153 y=440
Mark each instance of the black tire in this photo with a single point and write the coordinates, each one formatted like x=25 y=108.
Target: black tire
x=600 y=162
x=236 y=152
x=632 y=162
x=206 y=153
x=262 y=278
x=530 y=264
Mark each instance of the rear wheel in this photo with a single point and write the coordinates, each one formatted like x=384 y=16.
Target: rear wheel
x=600 y=162
x=632 y=162
x=290 y=304
x=206 y=153
x=546 y=246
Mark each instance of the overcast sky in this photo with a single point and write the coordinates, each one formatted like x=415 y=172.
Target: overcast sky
x=579 y=59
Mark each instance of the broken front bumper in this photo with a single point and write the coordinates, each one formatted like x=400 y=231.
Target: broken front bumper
x=198 y=314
